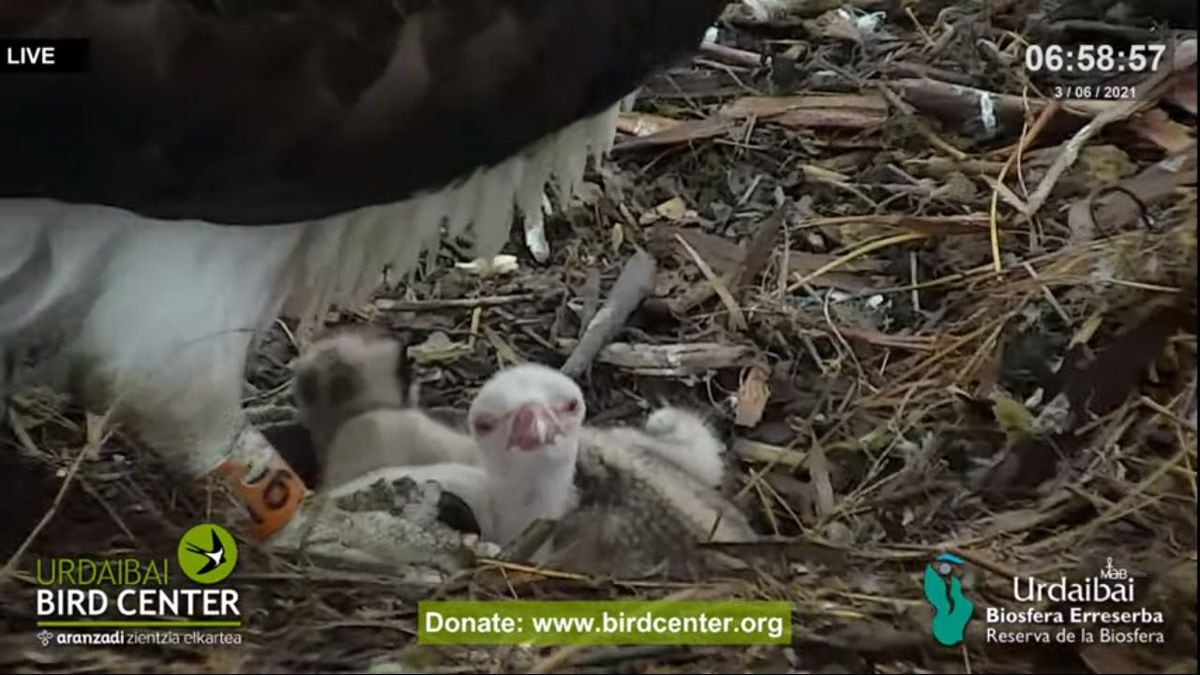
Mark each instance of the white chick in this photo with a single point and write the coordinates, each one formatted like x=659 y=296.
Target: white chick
x=627 y=501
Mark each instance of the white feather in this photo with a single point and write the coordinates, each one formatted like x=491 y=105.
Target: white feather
x=570 y=160
x=495 y=208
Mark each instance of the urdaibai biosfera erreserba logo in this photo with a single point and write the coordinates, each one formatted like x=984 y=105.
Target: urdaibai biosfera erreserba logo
x=207 y=553
x=952 y=611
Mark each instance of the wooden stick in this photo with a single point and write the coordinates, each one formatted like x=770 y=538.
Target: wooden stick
x=390 y=305
x=530 y=540
x=678 y=358
x=591 y=300
x=732 y=55
x=631 y=288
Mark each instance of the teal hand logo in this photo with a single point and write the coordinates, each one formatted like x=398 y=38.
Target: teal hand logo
x=952 y=610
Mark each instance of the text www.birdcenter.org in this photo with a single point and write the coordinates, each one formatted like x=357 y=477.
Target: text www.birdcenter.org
x=733 y=622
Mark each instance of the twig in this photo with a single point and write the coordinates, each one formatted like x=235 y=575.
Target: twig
x=26 y=446
x=957 y=105
x=528 y=543
x=932 y=72
x=1166 y=412
x=527 y=569
x=112 y=512
x=736 y=318
x=862 y=376
x=455 y=303
x=758 y=451
x=554 y=662
x=920 y=28
x=919 y=123
x=916 y=292
x=732 y=55
x=1130 y=33
x=626 y=653
x=680 y=358
x=856 y=253
x=11 y=566
x=590 y=293
x=631 y=288
x=1026 y=138
x=1125 y=507
x=758 y=251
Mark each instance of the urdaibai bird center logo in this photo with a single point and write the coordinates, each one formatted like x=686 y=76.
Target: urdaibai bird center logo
x=943 y=589
x=117 y=601
x=207 y=553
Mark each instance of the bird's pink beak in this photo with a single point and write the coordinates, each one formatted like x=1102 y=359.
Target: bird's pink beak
x=533 y=426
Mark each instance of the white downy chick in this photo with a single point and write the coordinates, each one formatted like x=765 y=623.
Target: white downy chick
x=687 y=441
x=627 y=501
x=526 y=421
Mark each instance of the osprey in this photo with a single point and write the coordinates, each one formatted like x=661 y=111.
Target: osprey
x=216 y=163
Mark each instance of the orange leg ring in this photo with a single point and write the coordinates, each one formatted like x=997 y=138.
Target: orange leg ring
x=272 y=499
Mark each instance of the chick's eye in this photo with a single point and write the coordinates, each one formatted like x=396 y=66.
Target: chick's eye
x=484 y=425
x=570 y=406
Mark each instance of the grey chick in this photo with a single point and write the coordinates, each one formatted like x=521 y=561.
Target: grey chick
x=357 y=397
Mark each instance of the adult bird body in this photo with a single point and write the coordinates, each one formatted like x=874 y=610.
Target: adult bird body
x=221 y=162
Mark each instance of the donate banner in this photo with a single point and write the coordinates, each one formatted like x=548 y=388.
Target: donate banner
x=719 y=622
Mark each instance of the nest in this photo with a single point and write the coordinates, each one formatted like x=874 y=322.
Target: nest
x=919 y=330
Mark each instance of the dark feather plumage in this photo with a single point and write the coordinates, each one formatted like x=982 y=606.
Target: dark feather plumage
x=267 y=111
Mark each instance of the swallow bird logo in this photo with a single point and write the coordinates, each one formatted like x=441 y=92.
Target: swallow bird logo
x=207 y=553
